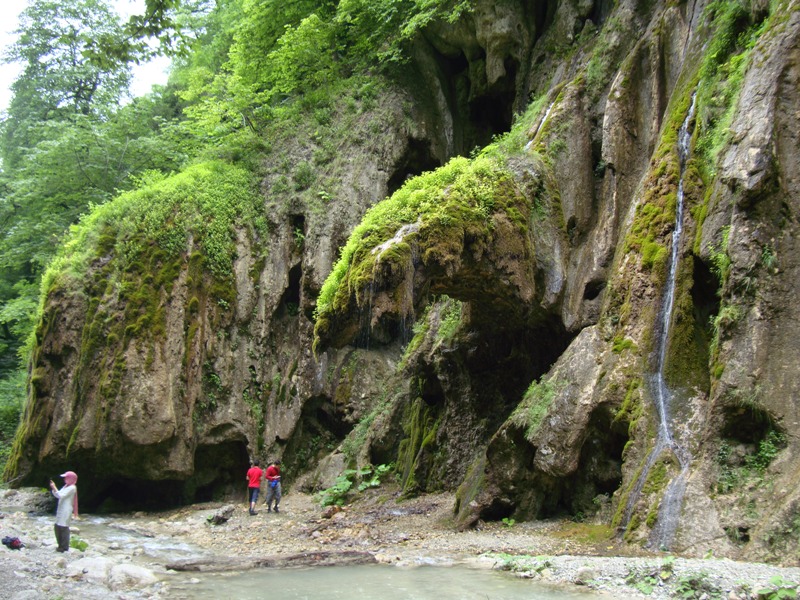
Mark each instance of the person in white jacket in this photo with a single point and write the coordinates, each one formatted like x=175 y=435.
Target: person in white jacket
x=67 y=507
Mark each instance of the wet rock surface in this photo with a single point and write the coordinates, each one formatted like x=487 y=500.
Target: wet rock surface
x=378 y=526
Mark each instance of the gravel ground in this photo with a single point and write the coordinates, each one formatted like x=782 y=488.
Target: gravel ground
x=404 y=533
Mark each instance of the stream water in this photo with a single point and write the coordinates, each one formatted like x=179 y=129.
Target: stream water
x=666 y=525
x=374 y=582
x=424 y=581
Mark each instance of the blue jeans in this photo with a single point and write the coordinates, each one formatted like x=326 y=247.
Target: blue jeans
x=273 y=493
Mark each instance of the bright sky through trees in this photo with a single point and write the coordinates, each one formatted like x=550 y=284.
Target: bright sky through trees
x=144 y=76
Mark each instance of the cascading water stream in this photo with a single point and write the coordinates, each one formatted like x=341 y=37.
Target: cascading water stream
x=672 y=501
x=539 y=127
x=408 y=296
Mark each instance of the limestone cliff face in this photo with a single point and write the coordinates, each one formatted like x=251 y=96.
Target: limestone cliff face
x=496 y=326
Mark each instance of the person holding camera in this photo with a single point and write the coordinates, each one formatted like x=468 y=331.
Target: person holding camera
x=67 y=507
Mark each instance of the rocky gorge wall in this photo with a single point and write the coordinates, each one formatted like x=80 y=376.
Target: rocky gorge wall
x=492 y=326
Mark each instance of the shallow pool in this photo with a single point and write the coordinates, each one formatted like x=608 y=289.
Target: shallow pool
x=371 y=582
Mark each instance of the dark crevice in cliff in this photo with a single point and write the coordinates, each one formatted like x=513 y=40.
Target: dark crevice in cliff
x=216 y=474
x=320 y=428
x=705 y=307
x=298 y=223
x=600 y=468
x=593 y=289
x=477 y=110
x=543 y=15
x=216 y=471
x=417 y=159
x=290 y=300
x=705 y=298
x=431 y=390
x=124 y=494
x=600 y=11
x=599 y=472
x=744 y=422
x=532 y=350
x=491 y=113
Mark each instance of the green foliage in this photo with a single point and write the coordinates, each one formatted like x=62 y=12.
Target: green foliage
x=212 y=389
x=647 y=578
x=206 y=200
x=357 y=437
x=78 y=544
x=58 y=80
x=165 y=27
x=521 y=563
x=415 y=455
x=722 y=73
x=337 y=493
x=720 y=259
x=728 y=315
x=768 y=258
x=535 y=404
x=364 y=478
x=696 y=586
x=67 y=144
x=508 y=522
x=753 y=466
x=778 y=589
x=12 y=399
x=768 y=449
x=383 y=28
x=604 y=57
x=450 y=319
x=371 y=476
x=620 y=344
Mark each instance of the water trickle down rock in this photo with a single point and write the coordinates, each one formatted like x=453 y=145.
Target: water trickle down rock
x=405 y=307
x=666 y=525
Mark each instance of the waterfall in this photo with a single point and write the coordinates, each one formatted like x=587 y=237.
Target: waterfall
x=539 y=127
x=669 y=510
x=407 y=300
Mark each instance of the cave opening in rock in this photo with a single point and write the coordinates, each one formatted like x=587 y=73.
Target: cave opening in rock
x=479 y=111
x=319 y=430
x=745 y=423
x=705 y=297
x=599 y=472
x=503 y=360
x=218 y=471
x=492 y=113
x=290 y=300
x=417 y=159
x=543 y=15
x=738 y=534
x=124 y=494
x=298 y=224
x=593 y=289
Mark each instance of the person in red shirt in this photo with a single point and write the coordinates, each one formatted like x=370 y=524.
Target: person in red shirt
x=273 y=485
x=254 y=477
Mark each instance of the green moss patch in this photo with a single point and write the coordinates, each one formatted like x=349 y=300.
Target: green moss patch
x=536 y=402
x=415 y=455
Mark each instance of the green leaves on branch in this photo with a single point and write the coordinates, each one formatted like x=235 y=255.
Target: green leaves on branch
x=383 y=28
